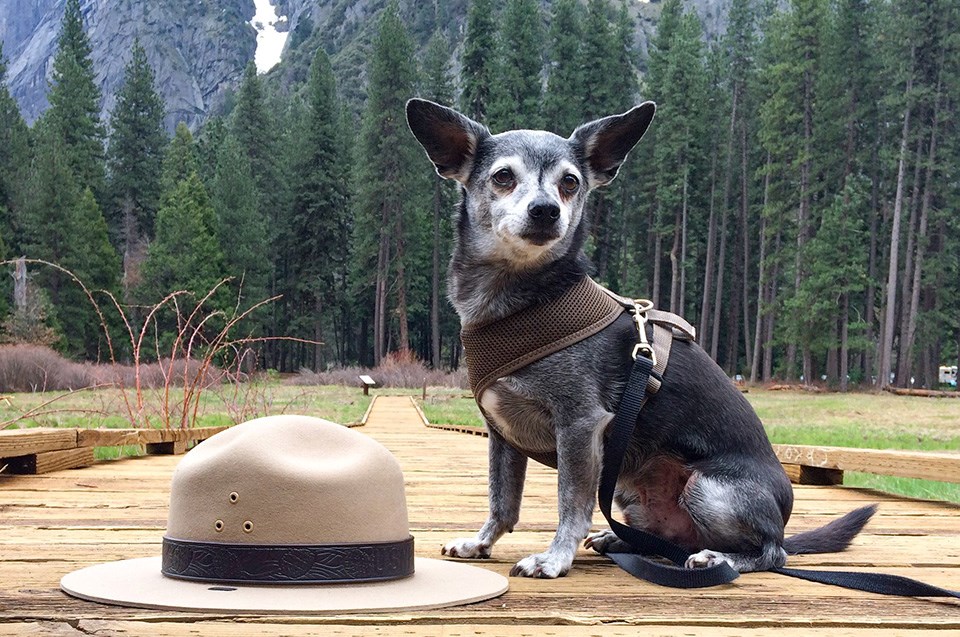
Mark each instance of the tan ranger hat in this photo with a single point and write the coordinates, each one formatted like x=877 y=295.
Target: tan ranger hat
x=286 y=514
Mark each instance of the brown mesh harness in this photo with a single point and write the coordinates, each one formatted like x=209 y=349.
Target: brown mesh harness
x=498 y=349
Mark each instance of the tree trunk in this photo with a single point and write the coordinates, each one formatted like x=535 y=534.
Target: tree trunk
x=710 y=249
x=886 y=353
x=380 y=293
x=725 y=211
x=20 y=286
x=771 y=312
x=761 y=279
x=744 y=221
x=318 y=335
x=401 y=282
x=601 y=232
x=718 y=297
x=675 y=264
x=803 y=217
x=681 y=307
x=435 y=277
x=657 y=256
x=906 y=277
x=871 y=293
x=909 y=335
x=844 y=341
x=832 y=371
x=807 y=369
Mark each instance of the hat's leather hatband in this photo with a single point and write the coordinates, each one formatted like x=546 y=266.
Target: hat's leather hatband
x=287 y=564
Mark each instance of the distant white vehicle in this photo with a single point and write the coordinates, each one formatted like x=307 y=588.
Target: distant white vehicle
x=948 y=375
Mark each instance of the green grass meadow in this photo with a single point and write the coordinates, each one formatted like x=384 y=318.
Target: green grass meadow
x=862 y=420
x=222 y=405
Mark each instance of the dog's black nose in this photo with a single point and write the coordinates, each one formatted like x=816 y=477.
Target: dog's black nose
x=544 y=212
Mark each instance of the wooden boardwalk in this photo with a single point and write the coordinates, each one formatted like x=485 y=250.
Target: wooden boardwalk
x=54 y=523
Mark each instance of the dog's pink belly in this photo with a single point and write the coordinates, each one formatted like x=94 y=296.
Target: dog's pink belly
x=653 y=500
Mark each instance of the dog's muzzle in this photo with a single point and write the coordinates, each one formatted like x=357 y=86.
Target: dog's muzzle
x=543 y=222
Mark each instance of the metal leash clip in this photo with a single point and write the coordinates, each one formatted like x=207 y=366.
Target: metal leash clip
x=640 y=307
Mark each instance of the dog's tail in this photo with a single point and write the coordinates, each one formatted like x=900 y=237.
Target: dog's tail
x=831 y=537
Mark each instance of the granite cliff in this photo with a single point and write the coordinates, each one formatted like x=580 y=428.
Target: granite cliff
x=199 y=48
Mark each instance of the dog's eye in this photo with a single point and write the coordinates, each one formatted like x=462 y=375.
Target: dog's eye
x=504 y=178
x=569 y=184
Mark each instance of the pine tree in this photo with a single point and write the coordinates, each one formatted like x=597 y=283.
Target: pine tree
x=623 y=217
x=437 y=86
x=562 y=102
x=598 y=60
x=14 y=153
x=135 y=153
x=207 y=145
x=239 y=225
x=517 y=102
x=787 y=119
x=257 y=130
x=835 y=272
x=320 y=205
x=64 y=225
x=624 y=92
x=74 y=98
x=254 y=129
x=179 y=160
x=479 y=73
x=391 y=176
x=185 y=254
x=677 y=153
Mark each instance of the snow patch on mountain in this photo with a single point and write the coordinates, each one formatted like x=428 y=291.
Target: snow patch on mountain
x=272 y=32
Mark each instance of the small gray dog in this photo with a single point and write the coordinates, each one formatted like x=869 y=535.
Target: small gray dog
x=707 y=479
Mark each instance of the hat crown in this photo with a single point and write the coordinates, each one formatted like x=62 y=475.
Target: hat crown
x=288 y=480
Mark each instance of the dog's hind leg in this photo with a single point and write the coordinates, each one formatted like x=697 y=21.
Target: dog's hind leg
x=508 y=468
x=740 y=521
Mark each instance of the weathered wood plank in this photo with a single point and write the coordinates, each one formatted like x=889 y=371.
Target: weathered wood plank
x=48 y=461
x=109 y=437
x=944 y=467
x=22 y=442
x=802 y=474
x=255 y=628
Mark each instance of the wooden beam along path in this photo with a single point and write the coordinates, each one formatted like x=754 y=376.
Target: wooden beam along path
x=51 y=524
x=806 y=464
x=47 y=449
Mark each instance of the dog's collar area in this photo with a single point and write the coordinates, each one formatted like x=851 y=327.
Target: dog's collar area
x=219 y=563
x=497 y=349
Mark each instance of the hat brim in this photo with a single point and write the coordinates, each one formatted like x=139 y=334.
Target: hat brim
x=139 y=583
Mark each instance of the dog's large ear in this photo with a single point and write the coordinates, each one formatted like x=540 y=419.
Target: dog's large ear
x=603 y=144
x=449 y=137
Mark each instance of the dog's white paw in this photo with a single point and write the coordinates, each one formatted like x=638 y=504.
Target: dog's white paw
x=466 y=547
x=706 y=559
x=601 y=541
x=545 y=565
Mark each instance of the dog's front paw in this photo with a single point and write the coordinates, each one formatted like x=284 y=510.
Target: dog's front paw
x=602 y=542
x=466 y=547
x=706 y=559
x=544 y=565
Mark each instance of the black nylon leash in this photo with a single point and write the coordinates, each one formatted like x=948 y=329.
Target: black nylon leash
x=643 y=543
x=677 y=575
